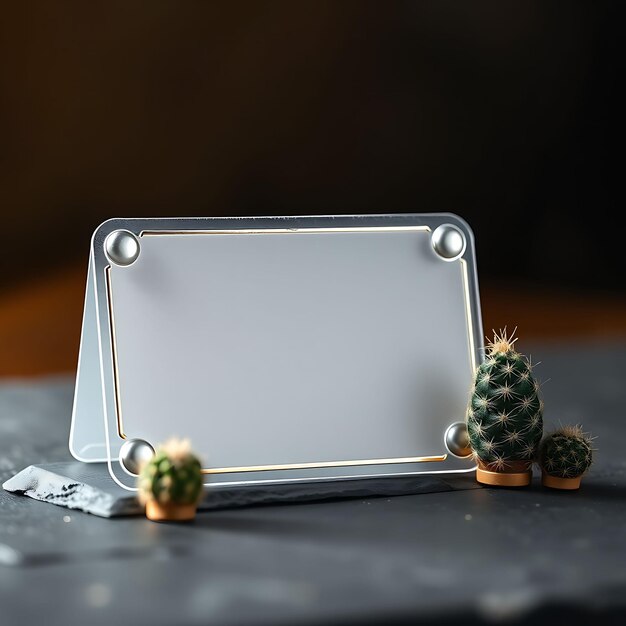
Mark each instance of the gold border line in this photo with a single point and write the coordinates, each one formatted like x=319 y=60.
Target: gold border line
x=270 y=231
x=285 y=466
x=292 y=466
x=116 y=380
x=468 y=315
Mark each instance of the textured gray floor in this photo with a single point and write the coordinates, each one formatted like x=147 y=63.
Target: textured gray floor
x=476 y=556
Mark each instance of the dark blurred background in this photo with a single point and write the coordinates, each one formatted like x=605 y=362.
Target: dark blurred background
x=503 y=112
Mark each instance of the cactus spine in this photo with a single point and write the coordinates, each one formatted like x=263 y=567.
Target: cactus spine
x=505 y=415
x=170 y=484
x=564 y=456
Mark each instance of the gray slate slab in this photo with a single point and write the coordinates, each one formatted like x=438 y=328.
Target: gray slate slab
x=89 y=488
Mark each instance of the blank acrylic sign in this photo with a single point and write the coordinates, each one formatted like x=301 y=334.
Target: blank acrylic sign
x=304 y=348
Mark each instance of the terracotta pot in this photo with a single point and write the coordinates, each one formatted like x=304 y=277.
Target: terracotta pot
x=556 y=482
x=158 y=512
x=516 y=474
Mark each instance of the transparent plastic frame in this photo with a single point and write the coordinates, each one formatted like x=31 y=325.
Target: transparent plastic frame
x=291 y=349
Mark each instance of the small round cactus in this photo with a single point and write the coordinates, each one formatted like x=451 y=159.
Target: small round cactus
x=170 y=484
x=505 y=415
x=564 y=456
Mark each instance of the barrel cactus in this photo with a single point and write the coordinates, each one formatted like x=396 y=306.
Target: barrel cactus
x=170 y=484
x=564 y=456
x=505 y=415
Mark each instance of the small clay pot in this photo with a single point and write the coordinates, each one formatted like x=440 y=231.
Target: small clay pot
x=516 y=474
x=556 y=482
x=158 y=512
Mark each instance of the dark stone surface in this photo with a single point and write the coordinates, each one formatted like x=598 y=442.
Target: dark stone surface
x=476 y=556
x=89 y=488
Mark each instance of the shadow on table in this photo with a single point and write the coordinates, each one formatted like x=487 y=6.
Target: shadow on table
x=596 y=491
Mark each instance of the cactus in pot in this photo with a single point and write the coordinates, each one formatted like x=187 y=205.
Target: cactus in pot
x=564 y=456
x=170 y=484
x=505 y=415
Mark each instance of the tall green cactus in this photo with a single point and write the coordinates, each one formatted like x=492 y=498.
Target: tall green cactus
x=505 y=414
x=566 y=453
